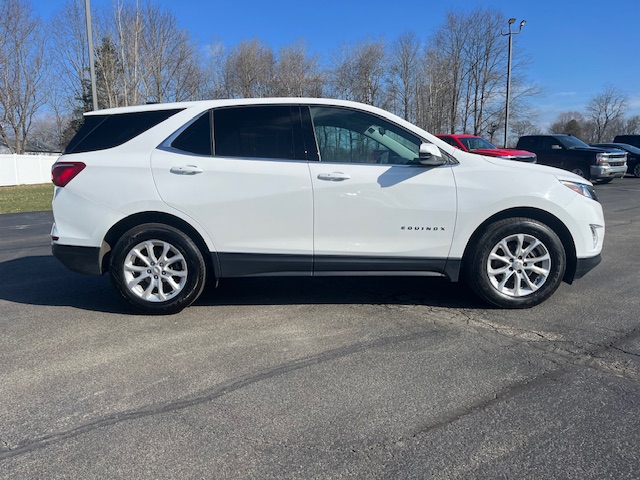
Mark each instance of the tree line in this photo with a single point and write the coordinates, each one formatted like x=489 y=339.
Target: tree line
x=452 y=81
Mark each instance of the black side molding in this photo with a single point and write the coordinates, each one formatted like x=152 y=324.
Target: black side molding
x=585 y=265
x=85 y=260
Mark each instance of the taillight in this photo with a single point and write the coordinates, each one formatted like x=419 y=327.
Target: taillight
x=62 y=173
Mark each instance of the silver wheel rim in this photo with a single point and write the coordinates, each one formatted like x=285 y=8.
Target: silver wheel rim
x=155 y=271
x=636 y=170
x=519 y=265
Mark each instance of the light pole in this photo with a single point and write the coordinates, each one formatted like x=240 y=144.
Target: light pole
x=506 y=111
x=92 y=67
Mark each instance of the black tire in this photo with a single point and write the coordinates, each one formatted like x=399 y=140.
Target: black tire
x=510 y=280
x=157 y=269
x=580 y=170
x=636 y=170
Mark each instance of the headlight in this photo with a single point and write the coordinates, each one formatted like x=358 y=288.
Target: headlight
x=602 y=159
x=581 y=188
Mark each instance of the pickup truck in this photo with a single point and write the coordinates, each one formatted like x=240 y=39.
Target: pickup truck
x=571 y=153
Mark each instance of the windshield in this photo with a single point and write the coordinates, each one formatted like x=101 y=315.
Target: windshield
x=572 y=142
x=476 y=143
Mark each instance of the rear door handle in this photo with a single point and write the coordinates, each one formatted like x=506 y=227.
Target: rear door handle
x=186 y=170
x=334 y=176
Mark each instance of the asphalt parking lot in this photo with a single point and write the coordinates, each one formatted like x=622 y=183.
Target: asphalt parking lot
x=320 y=378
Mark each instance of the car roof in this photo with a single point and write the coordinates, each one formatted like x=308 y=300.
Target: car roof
x=207 y=104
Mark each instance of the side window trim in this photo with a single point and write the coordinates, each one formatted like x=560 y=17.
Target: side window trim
x=311 y=150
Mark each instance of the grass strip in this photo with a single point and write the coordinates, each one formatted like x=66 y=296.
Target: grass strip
x=26 y=198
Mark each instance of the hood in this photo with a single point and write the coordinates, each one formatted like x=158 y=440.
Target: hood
x=524 y=167
x=596 y=149
x=508 y=153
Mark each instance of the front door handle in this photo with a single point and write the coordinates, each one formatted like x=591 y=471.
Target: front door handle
x=186 y=170
x=334 y=176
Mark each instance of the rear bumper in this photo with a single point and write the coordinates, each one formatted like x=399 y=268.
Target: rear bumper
x=85 y=260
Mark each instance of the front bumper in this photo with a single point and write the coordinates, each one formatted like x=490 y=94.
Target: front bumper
x=585 y=265
x=600 y=172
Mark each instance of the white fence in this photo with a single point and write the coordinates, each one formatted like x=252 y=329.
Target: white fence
x=25 y=169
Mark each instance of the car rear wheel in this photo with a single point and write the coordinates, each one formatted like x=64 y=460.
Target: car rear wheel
x=518 y=263
x=157 y=269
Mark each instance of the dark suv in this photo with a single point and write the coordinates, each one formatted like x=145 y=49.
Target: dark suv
x=629 y=139
x=571 y=153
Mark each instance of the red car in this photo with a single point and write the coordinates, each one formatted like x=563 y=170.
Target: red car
x=475 y=144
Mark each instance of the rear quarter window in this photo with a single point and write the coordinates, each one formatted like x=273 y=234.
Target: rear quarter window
x=100 y=132
x=196 y=138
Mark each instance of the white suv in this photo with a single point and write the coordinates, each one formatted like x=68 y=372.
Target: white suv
x=167 y=197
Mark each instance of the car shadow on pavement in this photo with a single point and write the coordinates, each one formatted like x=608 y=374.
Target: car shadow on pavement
x=41 y=280
x=341 y=290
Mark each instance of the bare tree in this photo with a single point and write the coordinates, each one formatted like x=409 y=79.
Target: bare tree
x=358 y=72
x=466 y=74
x=631 y=126
x=214 y=71
x=119 y=34
x=22 y=67
x=405 y=71
x=447 y=66
x=571 y=123
x=297 y=73
x=485 y=57
x=250 y=70
x=433 y=94
x=169 y=66
x=370 y=70
x=340 y=73
x=71 y=60
x=524 y=127
x=604 y=109
x=69 y=87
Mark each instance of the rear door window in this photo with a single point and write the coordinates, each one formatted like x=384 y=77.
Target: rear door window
x=271 y=131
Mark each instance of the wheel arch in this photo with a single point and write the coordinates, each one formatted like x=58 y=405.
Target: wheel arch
x=124 y=225
x=536 y=214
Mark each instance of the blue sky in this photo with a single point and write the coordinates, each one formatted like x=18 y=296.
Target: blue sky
x=576 y=47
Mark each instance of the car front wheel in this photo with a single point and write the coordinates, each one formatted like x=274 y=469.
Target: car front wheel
x=580 y=171
x=157 y=269
x=518 y=263
x=636 y=170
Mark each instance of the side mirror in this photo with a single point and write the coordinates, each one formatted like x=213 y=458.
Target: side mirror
x=430 y=155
